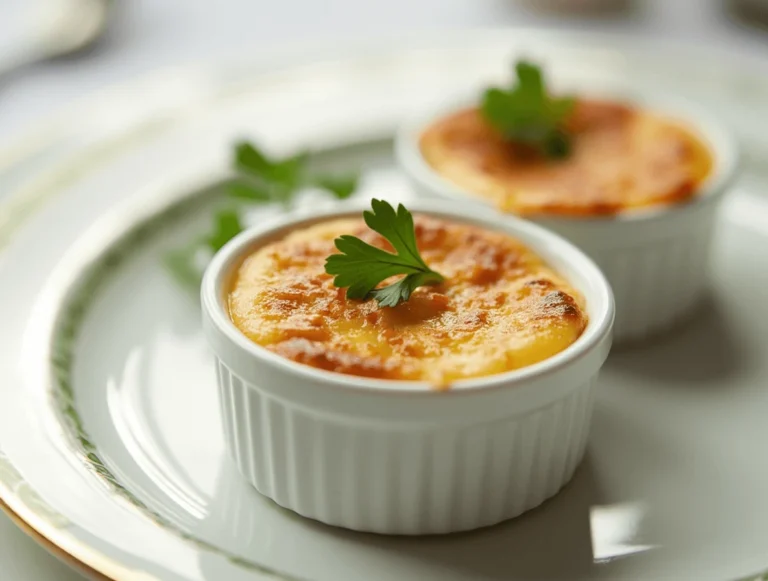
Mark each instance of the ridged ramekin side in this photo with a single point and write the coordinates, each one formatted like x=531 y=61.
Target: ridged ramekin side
x=394 y=478
x=657 y=282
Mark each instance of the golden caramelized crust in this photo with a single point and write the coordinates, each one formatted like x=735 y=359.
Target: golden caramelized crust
x=622 y=158
x=500 y=307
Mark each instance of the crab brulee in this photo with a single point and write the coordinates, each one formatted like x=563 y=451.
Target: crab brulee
x=534 y=153
x=494 y=307
x=620 y=157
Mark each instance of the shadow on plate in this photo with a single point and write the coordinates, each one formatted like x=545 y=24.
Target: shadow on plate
x=705 y=348
x=552 y=541
x=549 y=542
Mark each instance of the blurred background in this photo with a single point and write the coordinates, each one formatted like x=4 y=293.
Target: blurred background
x=54 y=51
x=106 y=41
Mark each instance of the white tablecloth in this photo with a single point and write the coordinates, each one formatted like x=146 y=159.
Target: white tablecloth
x=155 y=33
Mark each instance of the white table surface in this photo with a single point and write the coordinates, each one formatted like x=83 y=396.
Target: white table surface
x=155 y=33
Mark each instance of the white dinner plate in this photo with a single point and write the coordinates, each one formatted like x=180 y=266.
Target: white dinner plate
x=111 y=447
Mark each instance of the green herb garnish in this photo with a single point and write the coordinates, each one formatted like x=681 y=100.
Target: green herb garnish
x=183 y=264
x=263 y=179
x=226 y=225
x=260 y=180
x=340 y=186
x=526 y=113
x=187 y=263
x=361 y=267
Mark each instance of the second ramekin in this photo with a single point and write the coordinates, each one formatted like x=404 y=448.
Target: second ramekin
x=400 y=457
x=655 y=259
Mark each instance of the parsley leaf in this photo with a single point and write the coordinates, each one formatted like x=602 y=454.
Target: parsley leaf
x=340 y=186
x=249 y=159
x=260 y=180
x=251 y=192
x=360 y=267
x=265 y=179
x=226 y=226
x=186 y=264
x=400 y=291
x=182 y=265
x=277 y=180
x=526 y=113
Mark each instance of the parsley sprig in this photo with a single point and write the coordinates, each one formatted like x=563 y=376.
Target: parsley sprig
x=260 y=180
x=526 y=113
x=360 y=267
x=277 y=180
x=187 y=263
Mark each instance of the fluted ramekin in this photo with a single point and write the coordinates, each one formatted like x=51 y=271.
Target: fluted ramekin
x=656 y=258
x=401 y=457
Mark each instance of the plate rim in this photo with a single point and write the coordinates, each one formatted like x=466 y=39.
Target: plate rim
x=25 y=140
x=68 y=558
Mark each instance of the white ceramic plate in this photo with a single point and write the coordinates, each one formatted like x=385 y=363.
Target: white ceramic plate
x=110 y=438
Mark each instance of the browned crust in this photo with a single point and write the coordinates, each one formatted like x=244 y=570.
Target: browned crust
x=500 y=308
x=622 y=158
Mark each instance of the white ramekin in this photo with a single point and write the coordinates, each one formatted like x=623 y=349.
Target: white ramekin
x=655 y=259
x=400 y=457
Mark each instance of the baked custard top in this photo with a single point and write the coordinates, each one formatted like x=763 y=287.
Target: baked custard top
x=500 y=308
x=621 y=158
